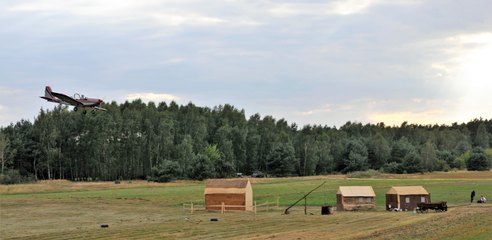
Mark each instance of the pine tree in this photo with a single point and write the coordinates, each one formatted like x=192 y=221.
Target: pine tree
x=482 y=136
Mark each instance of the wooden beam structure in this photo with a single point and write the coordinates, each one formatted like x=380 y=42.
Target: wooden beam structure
x=305 y=201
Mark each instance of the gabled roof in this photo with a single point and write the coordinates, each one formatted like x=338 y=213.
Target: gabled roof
x=223 y=186
x=408 y=190
x=356 y=191
x=223 y=183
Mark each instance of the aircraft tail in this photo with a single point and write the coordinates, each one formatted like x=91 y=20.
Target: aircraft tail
x=47 y=92
x=48 y=95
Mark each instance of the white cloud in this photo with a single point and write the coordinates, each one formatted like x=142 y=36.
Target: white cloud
x=17 y=104
x=464 y=65
x=482 y=37
x=346 y=107
x=9 y=92
x=184 y=19
x=154 y=97
x=355 y=105
x=340 y=7
x=172 y=61
x=352 y=6
x=85 y=7
x=391 y=112
x=423 y=117
x=390 y=50
x=233 y=52
x=324 y=109
x=295 y=9
x=116 y=11
x=474 y=74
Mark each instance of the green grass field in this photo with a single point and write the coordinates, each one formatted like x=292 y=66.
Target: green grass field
x=140 y=210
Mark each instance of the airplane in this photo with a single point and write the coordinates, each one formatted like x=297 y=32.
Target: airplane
x=78 y=101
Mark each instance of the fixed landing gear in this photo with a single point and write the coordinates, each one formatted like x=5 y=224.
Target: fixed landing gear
x=75 y=109
x=93 y=111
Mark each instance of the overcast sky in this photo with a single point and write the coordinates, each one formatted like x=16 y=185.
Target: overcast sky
x=310 y=62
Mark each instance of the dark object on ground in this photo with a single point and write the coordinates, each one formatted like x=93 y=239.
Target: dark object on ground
x=437 y=206
x=326 y=210
x=257 y=174
x=104 y=225
x=472 y=195
x=214 y=219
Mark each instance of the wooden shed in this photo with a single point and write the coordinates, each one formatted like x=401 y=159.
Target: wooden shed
x=406 y=197
x=236 y=194
x=351 y=198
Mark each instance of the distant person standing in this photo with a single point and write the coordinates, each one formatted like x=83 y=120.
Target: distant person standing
x=472 y=196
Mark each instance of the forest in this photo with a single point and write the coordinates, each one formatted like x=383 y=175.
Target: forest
x=167 y=141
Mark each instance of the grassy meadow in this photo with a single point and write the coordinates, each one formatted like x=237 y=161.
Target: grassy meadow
x=141 y=210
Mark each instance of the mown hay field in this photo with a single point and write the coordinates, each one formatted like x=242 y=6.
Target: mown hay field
x=141 y=210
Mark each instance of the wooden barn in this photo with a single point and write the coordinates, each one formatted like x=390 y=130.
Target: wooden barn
x=236 y=194
x=351 y=198
x=406 y=197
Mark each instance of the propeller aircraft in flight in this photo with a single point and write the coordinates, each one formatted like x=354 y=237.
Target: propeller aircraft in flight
x=77 y=101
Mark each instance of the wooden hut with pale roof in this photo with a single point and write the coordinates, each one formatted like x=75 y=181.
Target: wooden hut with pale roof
x=406 y=197
x=235 y=194
x=350 y=198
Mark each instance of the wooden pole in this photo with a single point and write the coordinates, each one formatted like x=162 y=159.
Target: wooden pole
x=255 y=207
x=192 y=209
x=305 y=205
x=223 y=208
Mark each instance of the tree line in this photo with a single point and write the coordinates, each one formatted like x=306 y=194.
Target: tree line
x=167 y=141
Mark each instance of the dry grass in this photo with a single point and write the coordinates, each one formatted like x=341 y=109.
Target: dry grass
x=64 y=185
x=442 y=175
x=132 y=219
x=142 y=210
x=433 y=175
x=46 y=186
x=465 y=222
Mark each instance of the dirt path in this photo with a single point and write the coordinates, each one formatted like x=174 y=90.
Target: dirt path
x=458 y=223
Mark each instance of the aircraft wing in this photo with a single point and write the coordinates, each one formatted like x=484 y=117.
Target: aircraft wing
x=51 y=99
x=67 y=99
x=101 y=109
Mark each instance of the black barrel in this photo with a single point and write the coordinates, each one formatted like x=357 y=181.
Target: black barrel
x=326 y=210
